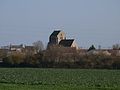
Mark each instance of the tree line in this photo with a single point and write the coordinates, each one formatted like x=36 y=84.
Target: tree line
x=60 y=57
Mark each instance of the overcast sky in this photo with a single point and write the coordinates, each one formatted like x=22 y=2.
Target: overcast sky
x=87 y=21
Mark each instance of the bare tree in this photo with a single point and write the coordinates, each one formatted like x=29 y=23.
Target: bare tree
x=116 y=46
x=38 y=46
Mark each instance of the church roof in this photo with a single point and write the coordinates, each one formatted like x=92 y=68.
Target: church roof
x=66 y=42
x=55 y=33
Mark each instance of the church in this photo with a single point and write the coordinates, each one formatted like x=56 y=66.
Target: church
x=59 y=38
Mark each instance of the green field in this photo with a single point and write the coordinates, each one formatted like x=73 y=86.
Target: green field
x=58 y=79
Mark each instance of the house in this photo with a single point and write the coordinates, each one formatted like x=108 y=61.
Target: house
x=16 y=47
x=59 y=38
x=93 y=51
x=99 y=52
x=13 y=47
x=5 y=47
x=92 y=48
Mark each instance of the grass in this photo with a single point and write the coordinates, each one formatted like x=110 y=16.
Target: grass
x=58 y=79
x=49 y=87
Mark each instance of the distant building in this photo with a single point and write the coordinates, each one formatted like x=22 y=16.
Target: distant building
x=59 y=38
x=92 y=48
x=99 y=52
x=16 y=47
x=56 y=37
x=5 y=47
x=68 y=43
x=13 y=47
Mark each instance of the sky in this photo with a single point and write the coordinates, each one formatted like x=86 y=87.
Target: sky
x=87 y=21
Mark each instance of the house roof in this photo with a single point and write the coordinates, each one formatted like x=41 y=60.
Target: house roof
x=16 y=46
x=55 y=33
x=92 y=48
x=66 y=42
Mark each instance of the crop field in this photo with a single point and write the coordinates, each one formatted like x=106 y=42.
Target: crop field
x=58 y=79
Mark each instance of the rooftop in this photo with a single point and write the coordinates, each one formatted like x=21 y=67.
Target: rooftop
x=66 y=42
x=55 y=33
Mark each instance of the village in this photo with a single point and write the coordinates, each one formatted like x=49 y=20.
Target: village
x=59 y=38
x=60 y=52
